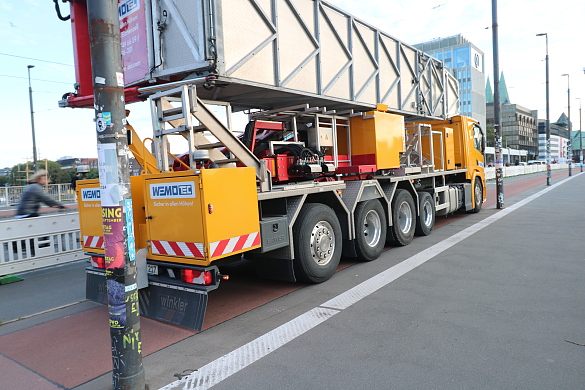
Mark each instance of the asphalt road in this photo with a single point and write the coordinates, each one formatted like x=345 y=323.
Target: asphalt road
x=500 y=308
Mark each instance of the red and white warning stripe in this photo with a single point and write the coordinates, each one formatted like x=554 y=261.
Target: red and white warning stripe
x=195 y=249
x=93 y=241
x=234 y=244
x=184 y=249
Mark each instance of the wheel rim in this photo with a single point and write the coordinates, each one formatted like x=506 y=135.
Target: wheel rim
x=427 y=214
x=478 y=194
x=372 y=228
x=322 y=243
x=404 y=217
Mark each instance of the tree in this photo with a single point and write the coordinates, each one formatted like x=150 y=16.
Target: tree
x=92 y=174
x=490 y=136
x=22 y=172
x=4 y=180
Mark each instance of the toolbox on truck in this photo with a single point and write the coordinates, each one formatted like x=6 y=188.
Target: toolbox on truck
x=195 y=217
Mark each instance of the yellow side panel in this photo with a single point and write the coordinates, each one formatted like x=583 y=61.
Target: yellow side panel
x=233 y=225
x=195 y=217
x=173 y=210
x=90 y=215
x=137 y=187
x=379 y=138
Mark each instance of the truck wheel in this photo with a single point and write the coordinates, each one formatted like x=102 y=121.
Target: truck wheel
x=317 y=236
x=426 y=217
x=370 y=229
x=403 y=218
x=478 y=195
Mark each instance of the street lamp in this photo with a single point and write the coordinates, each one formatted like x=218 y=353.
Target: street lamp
x=548 y=167
x=569 y=148
x=32 y=120
x=580 y=140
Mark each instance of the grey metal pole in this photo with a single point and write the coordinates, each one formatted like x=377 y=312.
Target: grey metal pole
x=580 y=138
x=116 y=200
x=32 y=119
x=570 y=146
x=497 y=130
x=548 y=167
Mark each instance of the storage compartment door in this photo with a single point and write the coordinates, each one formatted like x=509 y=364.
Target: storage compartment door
x=230 y=199
x=174 y=218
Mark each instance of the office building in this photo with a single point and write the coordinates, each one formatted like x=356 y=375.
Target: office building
x=466 y=62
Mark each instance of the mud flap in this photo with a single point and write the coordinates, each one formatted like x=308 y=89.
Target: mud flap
x=164 y=302
x=275 y=269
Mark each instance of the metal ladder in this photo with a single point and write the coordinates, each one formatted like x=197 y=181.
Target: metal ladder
x=180 y=120
x=413 y=155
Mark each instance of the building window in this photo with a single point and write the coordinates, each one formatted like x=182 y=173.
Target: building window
x=447 y=58
x=461 y=57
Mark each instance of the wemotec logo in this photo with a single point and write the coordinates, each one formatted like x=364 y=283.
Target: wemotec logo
x=172 y=190
x=90 y=194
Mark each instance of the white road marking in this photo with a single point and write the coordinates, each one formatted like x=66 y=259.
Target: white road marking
x=219 y=369
x=229 y=364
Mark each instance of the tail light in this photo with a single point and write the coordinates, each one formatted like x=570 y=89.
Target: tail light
x=98 y=262
x=196 y=277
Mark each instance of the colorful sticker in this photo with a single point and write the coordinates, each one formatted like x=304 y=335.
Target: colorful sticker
x=130 y=229
x=113 y=227
x=107 y=116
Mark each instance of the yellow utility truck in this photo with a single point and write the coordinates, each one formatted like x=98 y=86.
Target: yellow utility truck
x=302 y=185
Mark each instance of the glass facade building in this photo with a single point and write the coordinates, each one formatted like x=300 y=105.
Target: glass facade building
x=466 y=62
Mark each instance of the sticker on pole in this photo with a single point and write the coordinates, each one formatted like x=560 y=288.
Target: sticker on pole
x=110 y=193
x=100 y=124
x=103 y=120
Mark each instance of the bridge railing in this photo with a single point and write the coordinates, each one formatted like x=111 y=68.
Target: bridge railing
x=10 y=196
x=490 y=173
x=31 y=243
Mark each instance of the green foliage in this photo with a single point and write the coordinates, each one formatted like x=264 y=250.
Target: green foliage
x=21 y=172
x=490 y=137
x=5 y=180
x=92 y=174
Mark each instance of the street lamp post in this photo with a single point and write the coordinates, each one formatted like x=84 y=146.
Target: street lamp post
x=570 y=147
x=497 y=108
x=32 y=120
x=580 y=140
x=548 y=167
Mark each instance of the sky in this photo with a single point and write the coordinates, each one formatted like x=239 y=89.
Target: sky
x=31 y=34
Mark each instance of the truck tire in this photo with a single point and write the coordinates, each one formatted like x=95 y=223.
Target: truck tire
x=317 y=238
x=403 y=218
x=426 y=217
x=370 y=229
x=477 y=195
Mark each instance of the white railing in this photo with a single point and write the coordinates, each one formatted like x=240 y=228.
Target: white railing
x=31 y=243
x=490 y=173
x=10 y=196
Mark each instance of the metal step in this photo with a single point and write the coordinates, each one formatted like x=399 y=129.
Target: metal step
x=181 y=119
x=211 y=146
x=227 y=160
